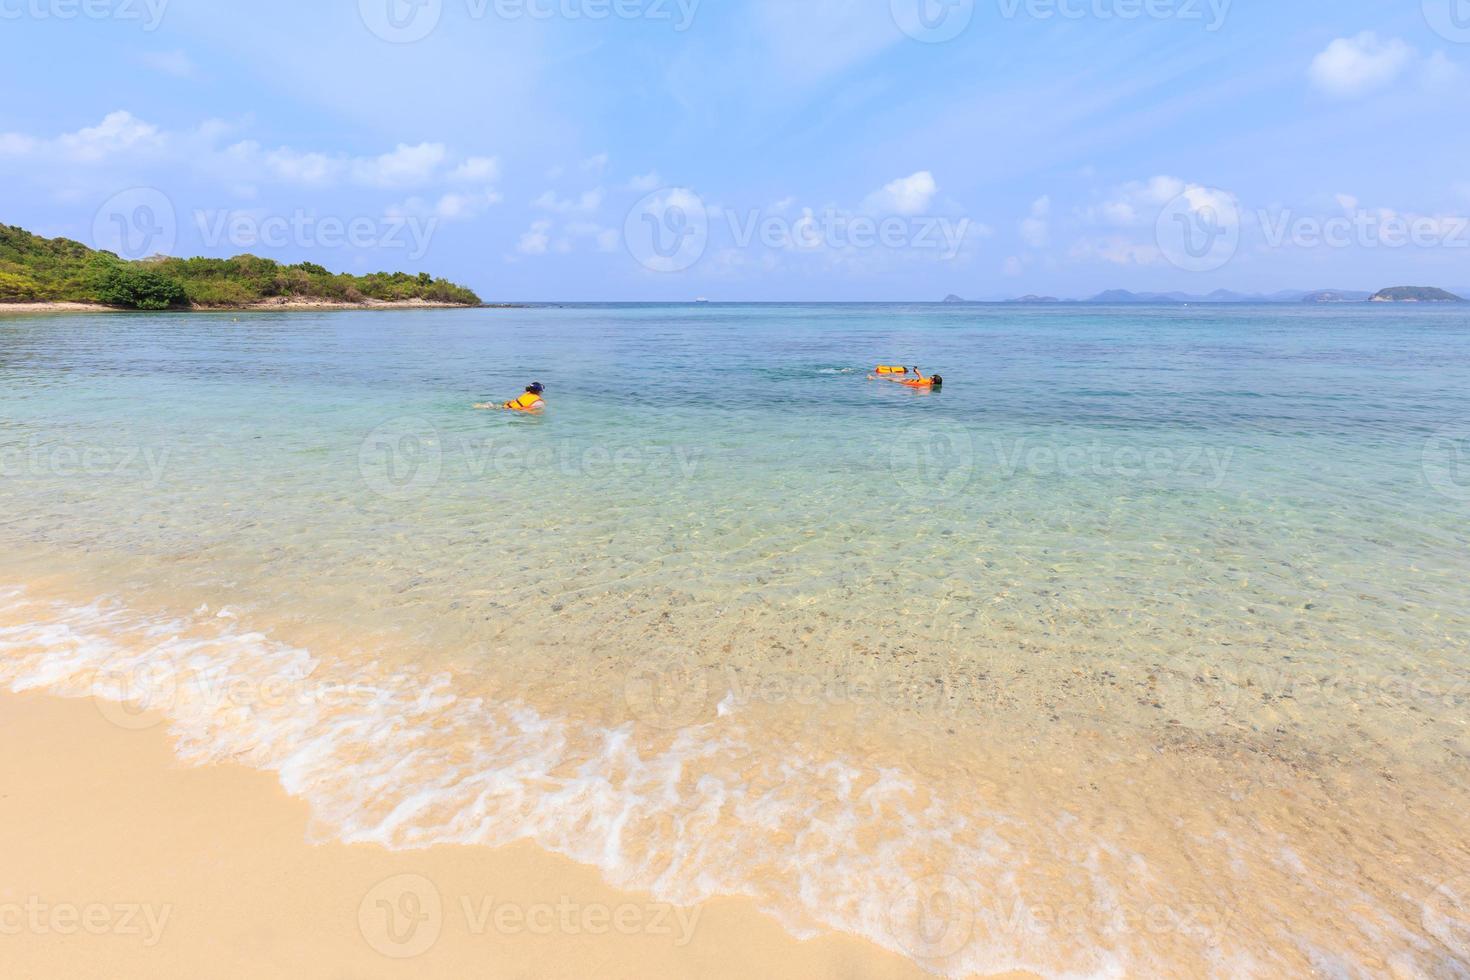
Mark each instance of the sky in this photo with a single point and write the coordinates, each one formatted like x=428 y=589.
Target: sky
x=760 y=150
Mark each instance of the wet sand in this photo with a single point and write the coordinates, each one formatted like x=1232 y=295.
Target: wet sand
x=1075 y=848
x=120 y=861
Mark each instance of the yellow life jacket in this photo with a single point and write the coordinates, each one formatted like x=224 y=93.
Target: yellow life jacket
x=528 y=402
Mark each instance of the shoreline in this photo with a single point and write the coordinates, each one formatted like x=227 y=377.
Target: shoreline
x=123 y=860
x=1185 y=909
x=268 y=306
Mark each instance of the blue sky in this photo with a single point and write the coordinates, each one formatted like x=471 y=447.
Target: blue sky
x=756 y=149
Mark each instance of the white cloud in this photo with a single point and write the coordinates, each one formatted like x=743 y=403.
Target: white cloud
x=1130 y=216
x=1012 y=267
x=595 y=164
x=536 y=240
x=648 y=182
x=283 y=165
x=405 y=166
x=906 y=195
x=604 y=239
x=118 y=132
x=1346 y=201
x=1211 y=200
x=1117 y=250
x=175 y=63
x=453 y=206
x=17 y=144
x=1356 y=66
x=477 y=170
x=240 y=168
x=589 y=202
x=1036 y=230
x=1138 y=204
x=1442 y=74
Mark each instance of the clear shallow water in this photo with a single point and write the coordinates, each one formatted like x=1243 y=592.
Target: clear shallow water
x=732 y=618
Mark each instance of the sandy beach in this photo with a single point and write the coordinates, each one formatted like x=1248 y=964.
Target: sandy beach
x=20 y=308
x=122 y=862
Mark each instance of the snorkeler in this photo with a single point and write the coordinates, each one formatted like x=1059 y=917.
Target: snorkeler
x=933 y=383
x=531 y=401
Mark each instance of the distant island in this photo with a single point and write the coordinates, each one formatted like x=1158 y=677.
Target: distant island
x=1123 y=297
x=1336 y=296
x=58 y=273
x=1414 y=294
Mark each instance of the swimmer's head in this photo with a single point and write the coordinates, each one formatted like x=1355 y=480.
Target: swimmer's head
x=535 y=388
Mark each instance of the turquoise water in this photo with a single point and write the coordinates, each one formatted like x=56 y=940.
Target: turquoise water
x=1157 y=457
x=1235 y=534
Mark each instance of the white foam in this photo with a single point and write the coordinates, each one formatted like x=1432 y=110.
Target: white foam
x=403 y=760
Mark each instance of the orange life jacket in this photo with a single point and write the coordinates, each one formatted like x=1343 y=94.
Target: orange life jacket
x=529 y=402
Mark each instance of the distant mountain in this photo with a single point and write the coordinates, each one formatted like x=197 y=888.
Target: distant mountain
x=1120 y=297
x=952 y=298
x=1414 y=294
x=1336 y=296
x=1228 y=296
x=1125 y=297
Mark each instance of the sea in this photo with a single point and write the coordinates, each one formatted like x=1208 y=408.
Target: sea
x=1141 y=646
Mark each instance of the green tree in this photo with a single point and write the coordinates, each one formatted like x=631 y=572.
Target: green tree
x=139 y=289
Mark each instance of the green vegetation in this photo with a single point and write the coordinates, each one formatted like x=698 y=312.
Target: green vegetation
x=35 y=269
x=132 y=287
x=1415 y=294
